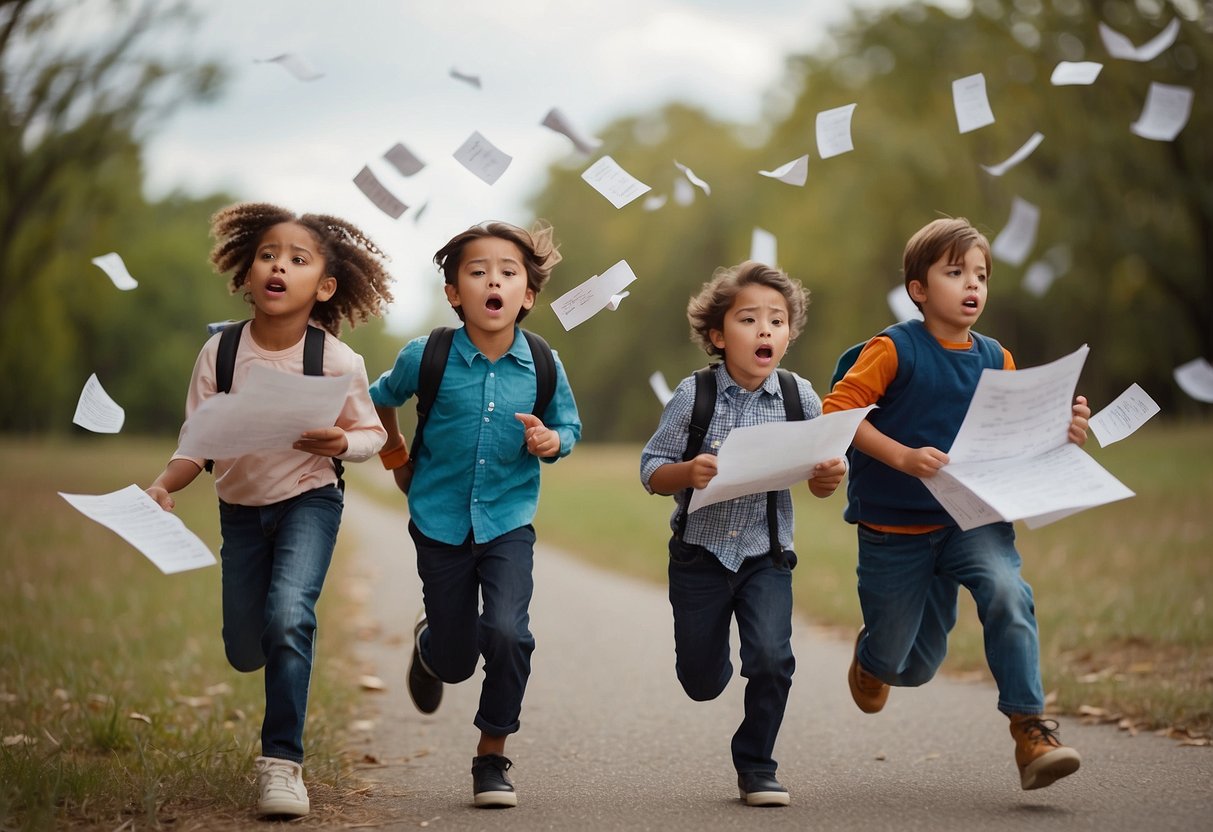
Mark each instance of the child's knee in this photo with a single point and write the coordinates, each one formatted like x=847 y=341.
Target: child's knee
x=700 y=686
x=244 y=657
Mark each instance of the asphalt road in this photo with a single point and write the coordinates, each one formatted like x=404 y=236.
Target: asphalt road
x=609 y=740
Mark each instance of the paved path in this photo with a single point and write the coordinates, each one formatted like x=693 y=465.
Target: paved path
x=610 y=742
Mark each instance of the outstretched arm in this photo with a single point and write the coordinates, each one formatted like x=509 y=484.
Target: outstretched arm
x=176 y=475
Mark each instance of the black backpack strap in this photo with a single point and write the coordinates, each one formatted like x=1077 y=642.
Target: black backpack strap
x=697 y=431
x=225 y=364
x=313 y=365
x=545 y=372
x=793 y=411
x=433 y=366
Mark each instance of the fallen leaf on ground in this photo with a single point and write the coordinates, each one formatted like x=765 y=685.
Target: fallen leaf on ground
x=221 y=689
x=18 y=739
x=369 y=682
x=140 y=717
x=195 y=701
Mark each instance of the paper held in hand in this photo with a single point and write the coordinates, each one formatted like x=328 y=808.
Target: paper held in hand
x=776 y=455
x=1012 y=459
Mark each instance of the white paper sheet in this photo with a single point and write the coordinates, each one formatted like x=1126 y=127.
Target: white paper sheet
x=902 y=306
x=776 y=455
x=613 y=182
x=1012 y=459
x=834 y=131
x=558 y=121
x=1014 y=243
x=764 y=248
x=136 y=518
x=96 y=411
x=684 y=192
x=268 y=412
x=1038 y=277
x=115 y=269
x=972 y=106
x=295 y=65
x=1127 y=412
x=795 y=172
x=1015 y=158
x=472 y=80
x=1019 y=413
x=382 y=198
x=403 y=160
x=615 y=301
x=579 y=304
x=1067 y=73
x=1196 y=379
x=695 y=180
x=1119 y=46
x=1165 y=113
x=482 y=158
x=661 y=388
x=655 y=202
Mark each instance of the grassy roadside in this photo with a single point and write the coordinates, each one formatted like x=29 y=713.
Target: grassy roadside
x=1123 y=592
x=117 y=705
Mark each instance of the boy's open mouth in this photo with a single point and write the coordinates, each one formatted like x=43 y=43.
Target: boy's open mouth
x=764 y=352
x=494 y=303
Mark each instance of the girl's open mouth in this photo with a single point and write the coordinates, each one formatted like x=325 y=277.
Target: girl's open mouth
x=276 y=286
x=971 y=303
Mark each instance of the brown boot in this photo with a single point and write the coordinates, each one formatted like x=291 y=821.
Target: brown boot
x=869 y=693
x=1041 y=757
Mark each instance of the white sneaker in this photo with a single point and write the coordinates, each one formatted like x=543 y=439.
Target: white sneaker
x=281 y=785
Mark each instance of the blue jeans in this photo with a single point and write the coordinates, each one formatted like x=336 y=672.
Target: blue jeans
x=455 y=581
x=705 y=596
x=274 y=560
x=908 y=586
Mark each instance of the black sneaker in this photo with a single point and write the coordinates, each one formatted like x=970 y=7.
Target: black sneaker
x=491 y=789
x=425 y=688
x=759 y=789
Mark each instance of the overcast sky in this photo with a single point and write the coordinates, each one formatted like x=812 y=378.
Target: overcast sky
x=386 y=65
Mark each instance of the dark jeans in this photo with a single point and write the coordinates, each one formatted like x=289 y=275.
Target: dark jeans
x=705 y=596
x=455 y=582
x=275 y=559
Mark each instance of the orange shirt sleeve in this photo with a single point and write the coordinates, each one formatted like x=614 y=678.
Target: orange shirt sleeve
x=868 y=378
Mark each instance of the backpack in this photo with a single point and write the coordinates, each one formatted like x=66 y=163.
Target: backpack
x=225 y=367
x=701 y=418
x=846 y=361
x=433 y=367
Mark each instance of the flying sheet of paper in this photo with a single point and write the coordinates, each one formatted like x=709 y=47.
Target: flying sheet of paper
x=417 y=214
x=661 y=388
x=1038 y=277
x=482 y=158
x=295 y=65
x=684 y=192
x=1196 y=379
x=1068 y=73
x=558 y=121
x=615 y=300
x=764 y=247
x=1127 y=412
x=1016 y=414
x=382 y=198
x=136 y=518
x=972 y=105
x=113 y=266
x=654 y=202
x=403 y=160
x=473 y=80
x=267 y=413
x=834 y=131
x=1119 y=46
x=96 y=411
x=1015 y=158
x=775 y=455
x=1165 y=113
x=695 y=180
x=795 y=172
x=1014 y=243
x=581 y=303
x=613 y=182
x=1039 y=490
x=902 y=306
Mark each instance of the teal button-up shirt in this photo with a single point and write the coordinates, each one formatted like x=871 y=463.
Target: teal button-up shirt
x=474 y=472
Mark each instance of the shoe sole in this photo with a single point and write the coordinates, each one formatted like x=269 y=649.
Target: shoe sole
x=1047 y=770
x=283 y=808
x=766 y=798
x=495 y=800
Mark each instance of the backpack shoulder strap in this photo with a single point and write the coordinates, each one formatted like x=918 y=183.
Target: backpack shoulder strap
x=793 y=407
x=433 y=367
x=697 y=431
x=313 y=351
x=545 y=371
x=225 y=360
x=846 y=361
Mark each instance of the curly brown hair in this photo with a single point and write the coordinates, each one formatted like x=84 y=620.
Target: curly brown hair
x=707 y=309
x=538 y=249
x=349 y=256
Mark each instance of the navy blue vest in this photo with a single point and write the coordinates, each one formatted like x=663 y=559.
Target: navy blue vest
x=924 y=405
